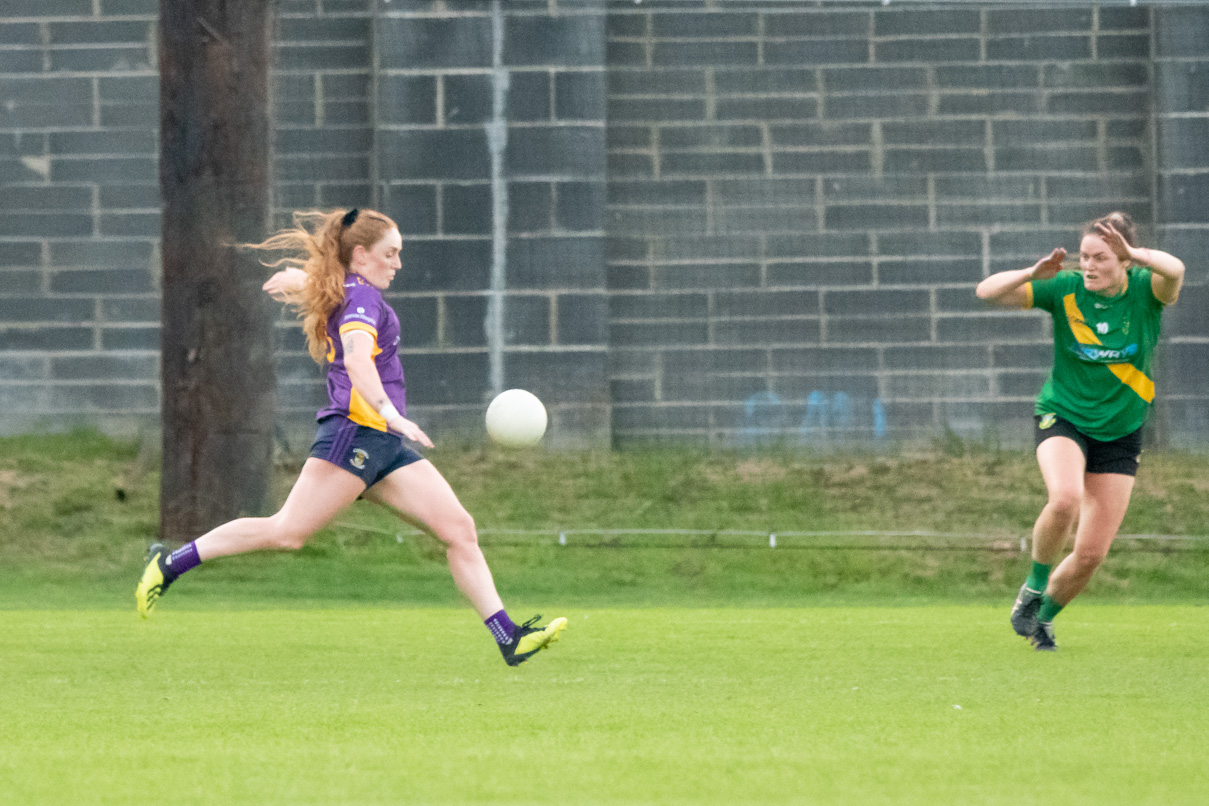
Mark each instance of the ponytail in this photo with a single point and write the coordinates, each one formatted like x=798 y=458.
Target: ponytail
x=322 y=246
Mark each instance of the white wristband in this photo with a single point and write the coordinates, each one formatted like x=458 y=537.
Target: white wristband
x=389 y=412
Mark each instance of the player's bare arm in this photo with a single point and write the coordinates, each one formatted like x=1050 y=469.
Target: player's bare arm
x=1006 y=288
x=1166 y=270
x=358 y=361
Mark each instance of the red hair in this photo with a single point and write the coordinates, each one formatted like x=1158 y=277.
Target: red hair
x=322 y=245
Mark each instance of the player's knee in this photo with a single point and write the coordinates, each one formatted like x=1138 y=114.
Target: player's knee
x=285 y=536
x=459 y=530
x=1089 y=559
x=1064 y=503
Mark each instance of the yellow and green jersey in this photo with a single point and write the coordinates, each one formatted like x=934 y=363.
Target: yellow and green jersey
x=1101 y=380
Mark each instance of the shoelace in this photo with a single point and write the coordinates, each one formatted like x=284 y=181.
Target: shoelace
x=528 y=625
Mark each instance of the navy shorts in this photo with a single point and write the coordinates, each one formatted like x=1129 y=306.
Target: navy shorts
x=1115 y=456
x=367 y=453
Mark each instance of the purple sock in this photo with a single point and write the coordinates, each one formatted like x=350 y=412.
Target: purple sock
x=501 y=627
x=182 y=560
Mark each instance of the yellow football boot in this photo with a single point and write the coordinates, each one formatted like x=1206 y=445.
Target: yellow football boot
x=153 y=582
x=528 y=640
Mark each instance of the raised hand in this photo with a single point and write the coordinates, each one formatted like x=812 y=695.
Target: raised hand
x=1115 y=240
x=1048 y=266
x=285 y=283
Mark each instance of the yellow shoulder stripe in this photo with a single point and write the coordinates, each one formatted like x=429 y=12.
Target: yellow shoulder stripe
x=1078 y=326
x=351 y=326
x=347 y=326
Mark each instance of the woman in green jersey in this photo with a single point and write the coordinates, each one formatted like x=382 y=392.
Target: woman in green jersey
x=1090 y=412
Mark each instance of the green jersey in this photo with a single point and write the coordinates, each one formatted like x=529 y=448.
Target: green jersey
x=1101 y=378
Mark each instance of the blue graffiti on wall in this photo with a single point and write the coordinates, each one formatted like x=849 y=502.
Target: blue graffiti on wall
x=766 y=418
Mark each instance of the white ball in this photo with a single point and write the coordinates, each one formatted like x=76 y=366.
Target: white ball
x=516 y=419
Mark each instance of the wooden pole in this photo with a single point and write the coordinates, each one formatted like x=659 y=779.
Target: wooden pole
x=217 y=325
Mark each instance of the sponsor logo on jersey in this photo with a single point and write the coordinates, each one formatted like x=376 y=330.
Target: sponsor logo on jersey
x=1098 y=354
x=1048 y=420
x=358 y=460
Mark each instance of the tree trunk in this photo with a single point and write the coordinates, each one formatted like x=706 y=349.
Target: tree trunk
x=216 y=323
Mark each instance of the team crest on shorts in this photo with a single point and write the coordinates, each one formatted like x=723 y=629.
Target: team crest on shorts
x=1047 y=420
x=359 y=457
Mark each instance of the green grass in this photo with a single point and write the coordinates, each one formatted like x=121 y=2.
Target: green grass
x=77 y=512
x=351 y=672
x=868 y=705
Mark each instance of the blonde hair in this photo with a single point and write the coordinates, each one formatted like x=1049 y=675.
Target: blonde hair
x=322 y=245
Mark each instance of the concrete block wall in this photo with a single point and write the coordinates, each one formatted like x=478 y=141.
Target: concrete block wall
x=79 y=215
x=479 y=127
x=323 y=152
x=1181 y=101
x=802 y=197
x=490 y=152
x=386 y=104
x=696 y=220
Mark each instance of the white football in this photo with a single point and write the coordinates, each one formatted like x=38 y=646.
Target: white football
x=516 y=419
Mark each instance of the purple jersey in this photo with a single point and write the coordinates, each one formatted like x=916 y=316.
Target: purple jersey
x=363 y=309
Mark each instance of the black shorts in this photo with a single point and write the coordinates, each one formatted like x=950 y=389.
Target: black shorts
x=1116 y=456
x=367 y=453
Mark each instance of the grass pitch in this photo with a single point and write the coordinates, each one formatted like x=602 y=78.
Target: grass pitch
x=827 y=705
x=350 y=673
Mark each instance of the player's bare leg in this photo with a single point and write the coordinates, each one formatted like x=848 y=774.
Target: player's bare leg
x=320 y=493
x=1062 y=468
x=1062 y=464
x=420 y=495
x=1105 y=499
x=1104 y=504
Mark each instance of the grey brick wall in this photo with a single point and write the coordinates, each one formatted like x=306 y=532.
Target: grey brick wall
x=802 y=197
x=1181 y=81
x=704 y=221
x=488 y=148
x=79 y=220
x=390 y=105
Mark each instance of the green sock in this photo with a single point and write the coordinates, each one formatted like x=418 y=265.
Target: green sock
x=1038 y=578
x=1049 y=609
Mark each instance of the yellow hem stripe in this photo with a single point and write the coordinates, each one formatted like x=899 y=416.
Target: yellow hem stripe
x=361 y=413
x=1135 y=379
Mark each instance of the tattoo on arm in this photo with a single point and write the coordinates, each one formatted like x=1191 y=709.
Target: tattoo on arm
x=349 y=344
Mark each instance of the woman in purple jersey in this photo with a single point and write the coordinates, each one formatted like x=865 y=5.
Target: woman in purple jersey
x=341 y=263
